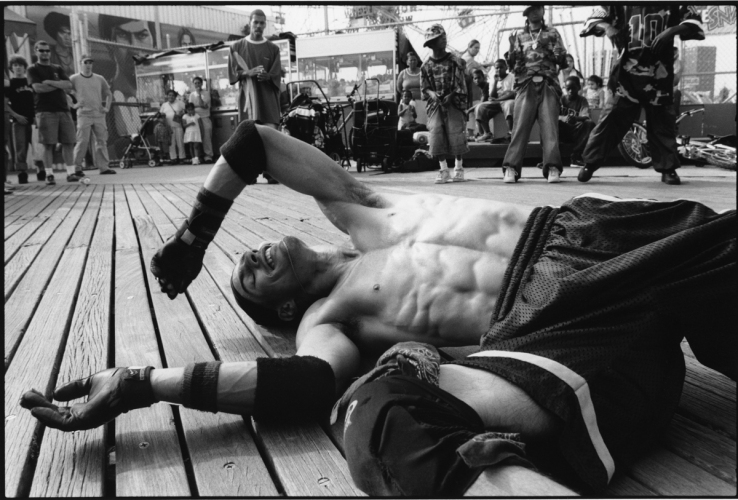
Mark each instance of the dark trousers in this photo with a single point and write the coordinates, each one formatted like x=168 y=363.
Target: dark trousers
x=576 y=133
x=535 y=101
x=21 y=143
x=617 y=117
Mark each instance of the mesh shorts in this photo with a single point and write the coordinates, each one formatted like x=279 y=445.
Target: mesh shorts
x=594 y=304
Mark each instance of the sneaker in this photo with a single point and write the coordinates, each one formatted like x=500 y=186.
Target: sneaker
x=196 y=161
x=8 y=191
x=510 y=176
x=41 y=175
x=670 y=178
x=50 y=180
x=577 y=162
x=485 y=137
x=79 y=173
x=9 y=186
x=72 y=178
x=458 y=175
x=22 y=178
x=585 y=174
x=443 y=177
x=554 y=176
x=208 y=159
x=108 y=172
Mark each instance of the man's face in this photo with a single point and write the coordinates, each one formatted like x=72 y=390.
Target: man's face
x=535 y=14
x=134 y=33
x=258 y=25
x=479 y=80
x=19 y=70
x=87 y=67
x=500 y=69
x=265 y=275
x=64 y=37
x=439 y=43
x=44 y=54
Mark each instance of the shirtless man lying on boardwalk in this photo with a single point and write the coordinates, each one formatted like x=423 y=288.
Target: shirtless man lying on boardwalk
x=579 y=311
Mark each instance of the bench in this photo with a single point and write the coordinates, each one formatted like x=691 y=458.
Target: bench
x=79 y=297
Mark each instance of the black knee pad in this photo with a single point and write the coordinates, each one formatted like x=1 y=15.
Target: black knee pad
x=401 y=435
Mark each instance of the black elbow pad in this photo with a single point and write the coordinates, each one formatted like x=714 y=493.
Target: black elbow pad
x=293 y=389
x=244 y=152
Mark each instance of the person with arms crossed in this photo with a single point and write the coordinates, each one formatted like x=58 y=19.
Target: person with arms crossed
x=579 y=317
x=54 y=121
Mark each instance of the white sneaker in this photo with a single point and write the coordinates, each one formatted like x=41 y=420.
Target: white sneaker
x=443 y=177
x=554 y=176
x=458 y=175
x=196 y=161
x=510 y=177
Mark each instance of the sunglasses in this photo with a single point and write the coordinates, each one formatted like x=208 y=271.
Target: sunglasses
x=43 y=50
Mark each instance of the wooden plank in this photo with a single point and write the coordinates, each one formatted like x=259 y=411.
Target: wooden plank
x=21 y=304
x=19 y=264
x=703 y=447
x=624 y=486
x=307 y=462
x=148 y=455
x=266 y=225
x=224 y=457
x=59 y=208
x=14 y=203
x=709 y=380
x=708 y=409
x=31 y=209
x=36 y=361
x=668 y=474
x=62 y=471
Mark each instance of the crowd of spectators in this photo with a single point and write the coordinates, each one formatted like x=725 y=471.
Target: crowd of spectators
x=45 y=96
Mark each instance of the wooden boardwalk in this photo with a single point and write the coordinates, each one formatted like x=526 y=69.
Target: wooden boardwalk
x=79 y=297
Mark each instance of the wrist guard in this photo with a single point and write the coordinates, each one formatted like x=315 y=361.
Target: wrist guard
x=205 y=219
x=244 y=152
x=136 y=388
x=200 y=387
x=297 y=388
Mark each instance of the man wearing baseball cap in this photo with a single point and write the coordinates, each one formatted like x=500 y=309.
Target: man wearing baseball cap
x=443 y=84
x=534 y=55
x=94 y=98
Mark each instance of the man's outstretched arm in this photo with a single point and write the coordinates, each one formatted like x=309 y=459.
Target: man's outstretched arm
x=250 y=151
x=295 y=388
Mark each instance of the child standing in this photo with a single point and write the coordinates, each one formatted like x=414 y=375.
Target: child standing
x=443 y=84
x=534 y=55
x=407 y=111
x=192 y=135
x=595 y=94
x=163 y=136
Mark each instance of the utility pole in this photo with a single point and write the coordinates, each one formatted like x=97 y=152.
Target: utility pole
x=325 y=15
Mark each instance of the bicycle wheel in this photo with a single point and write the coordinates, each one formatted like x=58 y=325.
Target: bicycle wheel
x=634 y=150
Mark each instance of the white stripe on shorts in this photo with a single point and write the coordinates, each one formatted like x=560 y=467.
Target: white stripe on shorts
x=581 y=389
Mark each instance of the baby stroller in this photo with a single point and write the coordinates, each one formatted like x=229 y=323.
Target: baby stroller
x=139 y=150
x=316 y=123
x=374 y=134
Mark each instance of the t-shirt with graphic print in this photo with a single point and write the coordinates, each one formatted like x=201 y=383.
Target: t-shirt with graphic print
x=443 y=76
x=642 y=75
x=20 y=95
x=536 y=53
